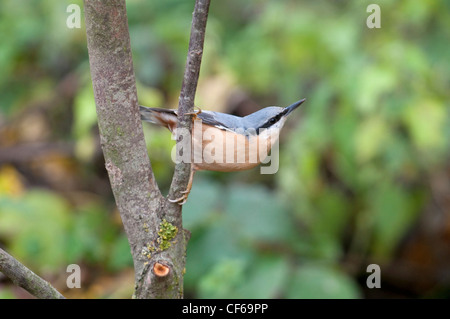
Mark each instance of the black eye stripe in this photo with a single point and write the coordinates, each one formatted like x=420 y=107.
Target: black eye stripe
x=271 y=121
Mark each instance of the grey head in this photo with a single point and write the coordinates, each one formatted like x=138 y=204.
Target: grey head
x=269 y=117
x=272 y=117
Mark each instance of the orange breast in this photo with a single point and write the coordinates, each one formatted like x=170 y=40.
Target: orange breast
x=220 y=150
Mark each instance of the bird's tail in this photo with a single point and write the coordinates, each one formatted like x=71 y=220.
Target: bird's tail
x=159 y=116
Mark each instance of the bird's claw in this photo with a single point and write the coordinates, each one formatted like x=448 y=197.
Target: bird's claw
x=195 y=113
x=180 y=200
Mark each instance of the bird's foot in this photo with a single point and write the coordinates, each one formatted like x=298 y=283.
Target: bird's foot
x=181 y=200
x=195 y=113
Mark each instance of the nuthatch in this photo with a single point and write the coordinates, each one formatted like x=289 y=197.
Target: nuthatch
x=233 y=141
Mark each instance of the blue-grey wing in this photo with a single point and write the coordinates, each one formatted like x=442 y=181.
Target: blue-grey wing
x=168 y=118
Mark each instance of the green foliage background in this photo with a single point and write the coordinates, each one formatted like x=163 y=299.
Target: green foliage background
x=364 y=166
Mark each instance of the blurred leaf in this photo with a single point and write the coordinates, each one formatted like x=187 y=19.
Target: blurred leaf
x=221 y=281
x=40 y=241
x=370 y=138
x=204 y=203
x=331 y=216
x=262 y=278
x=265 y=278
x=373 y=83
x=149 y=96
x=255 y=214
x=345 y=126
x=85 y=117
x=394 y=213
x=212 y=246
x=312 y=281
x=426 y=120
x=120 y=255
x=88 y=238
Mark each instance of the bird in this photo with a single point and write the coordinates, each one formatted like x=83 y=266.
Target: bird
x=224 y=142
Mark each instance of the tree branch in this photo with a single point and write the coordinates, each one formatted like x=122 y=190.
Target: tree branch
x=163 y=274
x=25 y=278
x=189 y=88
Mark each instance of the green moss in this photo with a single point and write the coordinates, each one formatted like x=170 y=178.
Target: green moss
x=147 y=251
x=119 y=131
x=166 y=233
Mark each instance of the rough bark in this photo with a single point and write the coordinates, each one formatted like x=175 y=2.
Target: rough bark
x=25 y=278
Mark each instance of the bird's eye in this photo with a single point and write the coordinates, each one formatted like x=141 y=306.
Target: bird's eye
x=270 y=122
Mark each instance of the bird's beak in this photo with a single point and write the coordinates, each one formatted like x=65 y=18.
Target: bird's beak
x=292 y=107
